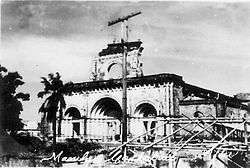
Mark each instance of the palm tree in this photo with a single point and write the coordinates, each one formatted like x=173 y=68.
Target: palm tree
x=55 y=102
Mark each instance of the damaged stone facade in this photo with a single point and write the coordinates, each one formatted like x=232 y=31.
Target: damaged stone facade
x=110 y=59
x=94 y=108
x=161 y=95
x=165 y=95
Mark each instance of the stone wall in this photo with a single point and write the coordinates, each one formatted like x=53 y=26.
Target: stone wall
x=164 y=98
x=206 y=109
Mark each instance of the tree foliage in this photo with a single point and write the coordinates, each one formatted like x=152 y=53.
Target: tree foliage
x=55 y=101
x=10 y=100
x=53 y=87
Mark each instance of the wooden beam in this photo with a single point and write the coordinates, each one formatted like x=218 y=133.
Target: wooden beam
x=203 y=127
x=220 y=142
x=194 y=136
x=164 y=138
x=123 y=18
x=138 y=137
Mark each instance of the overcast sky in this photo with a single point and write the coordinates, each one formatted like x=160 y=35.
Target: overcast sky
x=205 y=42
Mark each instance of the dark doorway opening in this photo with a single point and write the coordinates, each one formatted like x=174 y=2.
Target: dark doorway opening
x=75 y=114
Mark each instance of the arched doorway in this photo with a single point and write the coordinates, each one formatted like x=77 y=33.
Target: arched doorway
x=74 y=114
x=146 y=110
x=109 y=114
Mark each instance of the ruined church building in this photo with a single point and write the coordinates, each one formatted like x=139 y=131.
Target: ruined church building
x=94 y=108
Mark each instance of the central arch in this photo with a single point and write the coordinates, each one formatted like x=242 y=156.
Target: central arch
x=103 y=108
x=107 y=107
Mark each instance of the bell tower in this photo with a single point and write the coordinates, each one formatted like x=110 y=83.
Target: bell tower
x=108 y=64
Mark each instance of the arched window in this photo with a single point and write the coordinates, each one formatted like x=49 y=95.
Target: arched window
x=115 y=71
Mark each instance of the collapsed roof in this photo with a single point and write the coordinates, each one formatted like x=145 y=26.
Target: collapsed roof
x=157 y=79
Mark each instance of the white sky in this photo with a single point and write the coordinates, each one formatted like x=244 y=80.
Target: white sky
x=205 y=42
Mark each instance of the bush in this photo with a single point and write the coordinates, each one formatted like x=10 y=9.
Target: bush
x=73 y=147
x=33 y=144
